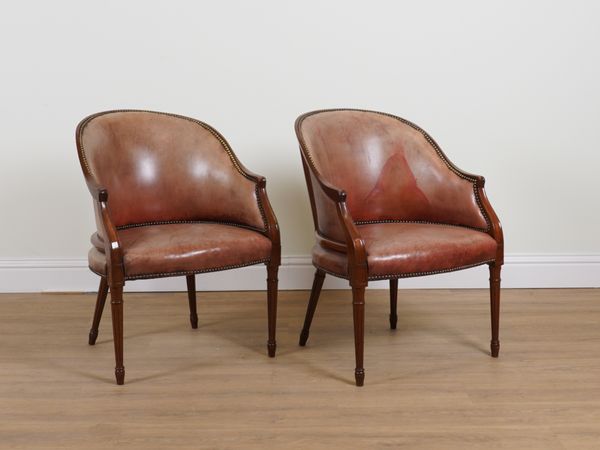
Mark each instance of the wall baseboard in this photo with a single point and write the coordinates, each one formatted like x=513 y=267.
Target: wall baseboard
x=296 y=272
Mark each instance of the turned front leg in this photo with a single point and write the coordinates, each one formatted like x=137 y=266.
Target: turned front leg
x=495 y=307
x=272 y=306
x=116 y=303
x=358 y=309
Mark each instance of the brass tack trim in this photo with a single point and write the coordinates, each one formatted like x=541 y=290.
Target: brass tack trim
x=261 y=208
x=188 y=272
x=173 y=222
x=406 y=275
x=433 y=272
x=424 y=222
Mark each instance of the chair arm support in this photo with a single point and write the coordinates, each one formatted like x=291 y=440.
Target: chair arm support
x=495 y=229
x=112 y=246
x=334 y=225
x=495 y=226
x=271 y=225
x=357 y=253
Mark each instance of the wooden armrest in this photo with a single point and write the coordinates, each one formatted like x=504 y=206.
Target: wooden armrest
x=272 y=227
x=107 y=230
x=334 y=225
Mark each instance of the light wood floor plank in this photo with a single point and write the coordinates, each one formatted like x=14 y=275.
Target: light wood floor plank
x=430 y=384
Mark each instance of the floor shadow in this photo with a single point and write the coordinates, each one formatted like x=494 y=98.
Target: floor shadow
x=74 y=370
x=164 y=373
x=454 y=335
x=154 y=332
x=321 y=371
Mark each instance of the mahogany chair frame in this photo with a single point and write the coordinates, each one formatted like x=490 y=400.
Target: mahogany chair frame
x=354 y=245
x=115 y=277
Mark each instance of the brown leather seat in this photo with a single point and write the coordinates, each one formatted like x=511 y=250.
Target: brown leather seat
x=411 y=249
x=171 y=199
x=387 y=203
x=185 y=248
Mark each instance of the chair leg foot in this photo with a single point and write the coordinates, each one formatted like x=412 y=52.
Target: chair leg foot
x=194 y=321
x=495 y=348
x=393 y=321
x=92 y=337
x=272 y=347
x=120 y=375
x=303 y=337
x=495 y=308
x=359 y=376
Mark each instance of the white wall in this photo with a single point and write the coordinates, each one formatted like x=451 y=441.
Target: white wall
x=509 y=90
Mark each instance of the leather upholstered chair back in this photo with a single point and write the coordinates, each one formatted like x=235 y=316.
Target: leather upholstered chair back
x=161 y=168
x=390 y=169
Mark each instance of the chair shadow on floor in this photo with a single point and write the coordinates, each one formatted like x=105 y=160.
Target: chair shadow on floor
x=231 y=328
x=221 y=328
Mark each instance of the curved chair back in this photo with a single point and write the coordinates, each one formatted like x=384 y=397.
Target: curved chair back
x=163 y=168
x=390 y=169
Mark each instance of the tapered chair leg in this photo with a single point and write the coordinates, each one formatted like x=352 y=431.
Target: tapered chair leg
x=312 y=305
x=191 y=288
x=100 y=300
x=272 y=306
x=358 y=307
x=116 y=303
x=393 y=303
x=495 y=307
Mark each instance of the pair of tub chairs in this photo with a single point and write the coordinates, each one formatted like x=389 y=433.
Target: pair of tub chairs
x=172 y=199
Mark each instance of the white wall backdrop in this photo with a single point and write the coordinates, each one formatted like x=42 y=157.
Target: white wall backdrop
x=510 y=90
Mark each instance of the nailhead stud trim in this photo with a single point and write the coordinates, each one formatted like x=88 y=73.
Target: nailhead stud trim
x=433 y=272
x=189 y=272
x=172 y=222
x=425 y=222
x=406 y=275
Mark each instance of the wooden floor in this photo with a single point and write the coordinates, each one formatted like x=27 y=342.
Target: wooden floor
x=429 y=385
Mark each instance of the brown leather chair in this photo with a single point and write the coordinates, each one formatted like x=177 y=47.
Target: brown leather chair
x=180 y=203
x=388 y=204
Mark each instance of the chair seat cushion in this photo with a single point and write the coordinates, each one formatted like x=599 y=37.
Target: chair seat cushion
x=411 y=249
x=164 y=250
